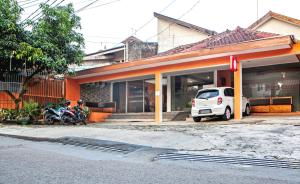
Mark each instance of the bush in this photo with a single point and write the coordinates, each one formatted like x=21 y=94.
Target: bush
x=31 y=110
x=10 y=114
x=86 y=111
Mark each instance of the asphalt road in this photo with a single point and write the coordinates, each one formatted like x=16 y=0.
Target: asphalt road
x=41 y=162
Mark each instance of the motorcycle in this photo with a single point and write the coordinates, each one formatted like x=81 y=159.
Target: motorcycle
x=80 y=117
x=64 y=115
x=52 y=115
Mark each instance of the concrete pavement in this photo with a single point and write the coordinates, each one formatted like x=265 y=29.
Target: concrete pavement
x=41 y=162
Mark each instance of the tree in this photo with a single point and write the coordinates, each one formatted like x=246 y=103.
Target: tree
x=52 y=44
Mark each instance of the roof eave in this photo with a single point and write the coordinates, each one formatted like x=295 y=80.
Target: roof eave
x=268 y=44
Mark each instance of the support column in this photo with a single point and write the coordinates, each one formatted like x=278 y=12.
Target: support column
x=216 y=78
x=158 y=97
x=238 y=92
x=168 y=93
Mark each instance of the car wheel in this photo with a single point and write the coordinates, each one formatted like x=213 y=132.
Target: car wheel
x=247 y=110
x=227 y=114
x=197 y=119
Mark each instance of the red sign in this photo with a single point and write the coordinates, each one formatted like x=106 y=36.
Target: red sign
x=233 y=63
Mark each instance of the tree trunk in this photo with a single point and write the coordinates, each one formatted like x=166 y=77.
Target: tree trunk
x=19 y=98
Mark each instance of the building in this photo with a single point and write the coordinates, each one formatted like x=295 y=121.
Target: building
x=131 y=49
x=277 y=23
x=173 y=32
x=268 y=66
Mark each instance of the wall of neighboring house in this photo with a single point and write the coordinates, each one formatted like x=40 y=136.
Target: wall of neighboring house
x=280 y=27
x=173 y=35
x=139 y=50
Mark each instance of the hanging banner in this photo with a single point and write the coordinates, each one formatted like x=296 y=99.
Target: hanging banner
x=233 y=63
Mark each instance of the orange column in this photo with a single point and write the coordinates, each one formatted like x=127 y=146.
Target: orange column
x=158 y=97
x=72 y=91
x=238 y=92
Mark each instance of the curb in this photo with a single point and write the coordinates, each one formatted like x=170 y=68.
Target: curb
x=37 y=139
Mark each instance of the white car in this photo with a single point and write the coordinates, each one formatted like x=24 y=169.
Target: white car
x=218 y=101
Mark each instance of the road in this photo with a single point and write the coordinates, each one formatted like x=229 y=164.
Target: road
x=43 y=162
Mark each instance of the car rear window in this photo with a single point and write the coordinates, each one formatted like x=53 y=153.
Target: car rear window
x=207 y=94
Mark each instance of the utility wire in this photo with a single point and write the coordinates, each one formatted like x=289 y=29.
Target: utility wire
x=32 y=19
x=104 y=4
x=84 y=7
x=52 y=7
x=149 y=21
x=32 y=5
x=185 y=13
x=28 y=2
x=34 y=12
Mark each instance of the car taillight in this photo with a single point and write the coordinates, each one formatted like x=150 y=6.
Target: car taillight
x=193 y=103
x=220 y=100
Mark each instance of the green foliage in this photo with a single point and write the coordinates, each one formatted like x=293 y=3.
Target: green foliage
x=51 y=45
x=56 y=35
x=31 y=110
x=10 y=114
x=86 y=111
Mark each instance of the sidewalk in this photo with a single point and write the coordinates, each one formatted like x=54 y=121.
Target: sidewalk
x=277 y=138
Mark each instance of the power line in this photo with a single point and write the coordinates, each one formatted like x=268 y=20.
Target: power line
x=104 y=4
x=29 y=6
x=32 y=19
x=28 y=2
x=84 y=7
x=148 y=22
x=185 y=13
x=34 y=12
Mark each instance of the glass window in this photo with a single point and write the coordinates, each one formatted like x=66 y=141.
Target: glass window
x=205 y=94
x=135 y=96
x=273 y=81
x=185 y=87
x=149 y=99
x=119 y=97
x=229 y=92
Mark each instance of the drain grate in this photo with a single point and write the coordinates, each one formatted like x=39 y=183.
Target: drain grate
x=231 y=160
x=120 y=148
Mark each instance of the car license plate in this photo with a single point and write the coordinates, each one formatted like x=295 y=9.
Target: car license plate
x=206 y=111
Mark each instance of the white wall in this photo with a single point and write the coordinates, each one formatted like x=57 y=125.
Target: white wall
x=280 y=27
x=174 y=35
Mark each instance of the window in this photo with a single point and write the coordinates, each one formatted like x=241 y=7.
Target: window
x=229 y=92
x=205 y=94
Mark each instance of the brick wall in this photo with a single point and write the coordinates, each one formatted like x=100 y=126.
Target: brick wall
x=95 y=92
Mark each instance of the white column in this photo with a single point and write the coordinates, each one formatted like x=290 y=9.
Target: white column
x=169 y=94
x=111 y=91
x=215 y=78
x=126 y=96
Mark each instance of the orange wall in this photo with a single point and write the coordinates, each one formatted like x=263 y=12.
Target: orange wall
x=72 y=91
x=6 y=102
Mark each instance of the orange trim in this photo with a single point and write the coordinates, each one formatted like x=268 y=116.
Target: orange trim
x=256 y=44
x=163 y=69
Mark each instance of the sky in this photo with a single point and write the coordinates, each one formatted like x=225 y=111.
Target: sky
x=108 y=22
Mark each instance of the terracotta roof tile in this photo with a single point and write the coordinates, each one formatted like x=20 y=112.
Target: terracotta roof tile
x=225 y=38
x=278 y=16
